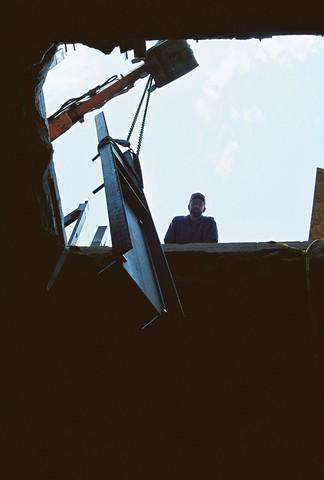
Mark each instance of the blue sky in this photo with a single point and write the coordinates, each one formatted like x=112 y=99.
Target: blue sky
x=245 y=128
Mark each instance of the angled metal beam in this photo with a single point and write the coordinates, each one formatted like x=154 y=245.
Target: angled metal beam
x=71 y=217
x=82 y=214
x=99 y=240
x=120 y=236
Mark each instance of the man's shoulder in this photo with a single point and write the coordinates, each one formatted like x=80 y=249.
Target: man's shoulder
x=180 y=219
x=208 y=219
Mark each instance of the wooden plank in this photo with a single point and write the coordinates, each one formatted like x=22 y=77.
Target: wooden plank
x=317 y=221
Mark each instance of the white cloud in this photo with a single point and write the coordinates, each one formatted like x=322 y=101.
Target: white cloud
x=251 y=116
x=203 y=109
x=237 y=61
x=240 y=57
x=288 y=48
x=235 y=114
x=223 y=163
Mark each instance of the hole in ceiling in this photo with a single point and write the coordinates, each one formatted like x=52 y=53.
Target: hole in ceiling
x=245 y=128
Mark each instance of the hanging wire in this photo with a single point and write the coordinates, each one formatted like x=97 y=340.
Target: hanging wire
x=144 y=115
x=148 y=83
x=66 y=105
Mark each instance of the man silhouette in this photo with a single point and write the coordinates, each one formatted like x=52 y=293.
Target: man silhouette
x=193 y=228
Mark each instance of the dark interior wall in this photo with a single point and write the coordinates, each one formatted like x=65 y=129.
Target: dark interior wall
x=249 y=373
x=102 y=21
x=233 y=392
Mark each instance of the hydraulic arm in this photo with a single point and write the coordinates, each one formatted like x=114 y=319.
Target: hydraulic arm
x=165 y=61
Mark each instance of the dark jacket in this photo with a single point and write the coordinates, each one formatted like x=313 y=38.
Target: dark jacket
x=184 y=230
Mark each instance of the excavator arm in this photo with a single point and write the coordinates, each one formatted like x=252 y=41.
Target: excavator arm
x=165 y=61
x=60 y=123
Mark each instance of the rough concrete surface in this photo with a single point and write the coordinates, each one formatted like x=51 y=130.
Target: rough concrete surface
x=231 y=391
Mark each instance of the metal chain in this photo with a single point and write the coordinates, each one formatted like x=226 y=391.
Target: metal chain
x=144 y=115
x=138 y=108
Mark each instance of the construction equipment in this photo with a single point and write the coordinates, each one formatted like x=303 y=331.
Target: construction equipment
x=166 y=61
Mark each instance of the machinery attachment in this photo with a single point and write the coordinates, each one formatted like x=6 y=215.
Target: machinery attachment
x=166 y=61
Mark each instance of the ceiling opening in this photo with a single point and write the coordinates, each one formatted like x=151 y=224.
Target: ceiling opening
x=245 y=128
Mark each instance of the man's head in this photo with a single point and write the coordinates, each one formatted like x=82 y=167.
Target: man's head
x=196 y=205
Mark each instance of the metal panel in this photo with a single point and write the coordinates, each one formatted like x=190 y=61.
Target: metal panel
x=132 y=225
x=135 y=197
x=139 y=262
x=171 y=299
x=120 y=236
